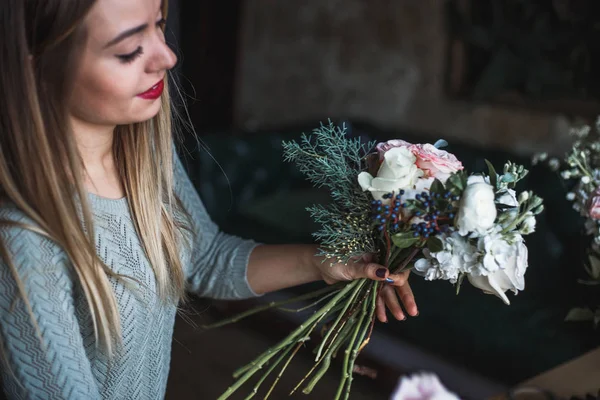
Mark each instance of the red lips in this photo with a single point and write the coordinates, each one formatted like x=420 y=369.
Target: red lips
x=154 y=92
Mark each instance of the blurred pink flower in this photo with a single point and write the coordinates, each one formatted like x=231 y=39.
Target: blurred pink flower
x=423 y=386
x=594 y=205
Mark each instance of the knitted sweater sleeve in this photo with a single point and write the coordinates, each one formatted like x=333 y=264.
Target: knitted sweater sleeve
x=219 y=262
x=55 y=367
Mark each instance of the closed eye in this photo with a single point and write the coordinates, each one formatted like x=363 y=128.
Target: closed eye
x=127 y=58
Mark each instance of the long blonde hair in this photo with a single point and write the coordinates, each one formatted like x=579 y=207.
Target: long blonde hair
x=39 y=43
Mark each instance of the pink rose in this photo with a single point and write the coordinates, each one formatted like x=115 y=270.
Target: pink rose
x=434 y=162
x=594 y=205
x=383 y=147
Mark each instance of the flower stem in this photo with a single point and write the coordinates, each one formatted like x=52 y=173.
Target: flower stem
x=341 y=314
x=345 y=375
x=302 y=330
x=270 y=305
x=266 y=374
x=326 y=359
x=283 y=369
x=407 y=260
x=359 y=344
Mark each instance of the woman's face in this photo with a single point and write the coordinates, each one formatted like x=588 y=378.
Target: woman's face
x=123 y=65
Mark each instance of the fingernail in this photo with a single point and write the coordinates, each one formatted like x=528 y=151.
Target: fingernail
x=380 y=272
x=389 y=280
x=417 y=314
x=403 y=319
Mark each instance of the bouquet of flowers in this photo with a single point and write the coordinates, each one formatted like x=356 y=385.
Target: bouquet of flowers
x=581 y=170
x=412 y=206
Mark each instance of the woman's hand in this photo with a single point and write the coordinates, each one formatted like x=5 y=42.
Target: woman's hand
x=395 y=291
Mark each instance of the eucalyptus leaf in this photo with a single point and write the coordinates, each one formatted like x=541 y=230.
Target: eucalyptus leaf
x=440 y=143
x=437 y=186
x=493 y=174
x=457 y=182
x=404 y=240
x=508 y=178
x=434 y=244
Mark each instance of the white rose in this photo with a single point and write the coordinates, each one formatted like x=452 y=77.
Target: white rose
x=504 y=268
x=398 y=171
x=477 y=210
x=423 y=386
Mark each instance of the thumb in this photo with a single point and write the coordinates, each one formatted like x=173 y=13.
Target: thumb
x=373 y=271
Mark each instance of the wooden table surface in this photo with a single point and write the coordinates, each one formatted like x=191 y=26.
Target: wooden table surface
x=577 y=377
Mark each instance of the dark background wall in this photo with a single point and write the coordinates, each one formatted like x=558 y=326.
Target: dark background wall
x=258 y=64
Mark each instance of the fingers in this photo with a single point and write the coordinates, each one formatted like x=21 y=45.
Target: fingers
x=391 y=300
x=399 y=279
x=380 y=310
x=370 y=270
x=407 y=297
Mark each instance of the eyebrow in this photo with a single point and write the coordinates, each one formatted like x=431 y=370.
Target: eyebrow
x=124 y=35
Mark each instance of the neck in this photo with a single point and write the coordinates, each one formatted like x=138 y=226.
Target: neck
x=95 y=145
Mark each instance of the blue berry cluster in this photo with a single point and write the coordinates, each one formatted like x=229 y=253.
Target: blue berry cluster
x=435 y=209
x=436 y=214
x=385 y=214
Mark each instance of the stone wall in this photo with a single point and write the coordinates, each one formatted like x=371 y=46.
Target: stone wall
x=381 y=61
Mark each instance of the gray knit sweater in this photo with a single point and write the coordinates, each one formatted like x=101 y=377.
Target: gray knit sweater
x=68 y=365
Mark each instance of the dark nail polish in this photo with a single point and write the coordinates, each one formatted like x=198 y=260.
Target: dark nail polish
x=380 y=272
x=389 y=280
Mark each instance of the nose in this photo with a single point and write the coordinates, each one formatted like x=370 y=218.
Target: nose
x=163 y=58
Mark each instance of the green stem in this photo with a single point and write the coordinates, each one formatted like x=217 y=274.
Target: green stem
x=311 y=305
x=282 y=370
x=270 y=305
x=344 y=327
x=326 y=360
x=347 y=353
x=375 y=293
x=517 y=221
x=308 y=325
x=340 y=315
x=359 y=344
x=266 y=374
x=408 y=259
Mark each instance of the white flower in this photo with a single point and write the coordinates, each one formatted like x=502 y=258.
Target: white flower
x=457 y=256
x=528 y=225
x=477 y=210
x=398 y=171
x=523 y=197
x=509 y=198
x=503 y=267
x=423 y=386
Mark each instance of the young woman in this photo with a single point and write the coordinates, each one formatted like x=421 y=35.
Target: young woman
x=101 y=230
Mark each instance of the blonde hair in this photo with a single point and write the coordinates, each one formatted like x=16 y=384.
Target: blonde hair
x=39 y=41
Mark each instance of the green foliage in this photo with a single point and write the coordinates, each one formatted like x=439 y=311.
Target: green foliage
x=434 y=244
x=329 y=159
x=492 y=173
x=457 y=183
x=404 y=240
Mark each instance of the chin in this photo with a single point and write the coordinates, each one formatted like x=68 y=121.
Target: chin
x=147 y=114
